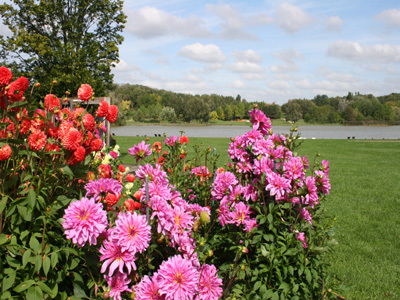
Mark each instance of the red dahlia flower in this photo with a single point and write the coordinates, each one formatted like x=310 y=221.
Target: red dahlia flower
x=112 y=114
x=80 y=153
x=5 y=76
x=5 y=152
x=85 y=92
x=51 y=102
x=102 y=111
x=37 y=140
x=88 y=122
x=72 y=139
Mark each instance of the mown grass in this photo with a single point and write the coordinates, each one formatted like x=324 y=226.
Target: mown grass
x=365 y=200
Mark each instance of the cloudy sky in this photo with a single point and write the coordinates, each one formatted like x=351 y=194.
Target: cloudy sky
x=263 y=50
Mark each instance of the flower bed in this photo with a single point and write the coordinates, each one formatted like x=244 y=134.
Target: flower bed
x=76 y=222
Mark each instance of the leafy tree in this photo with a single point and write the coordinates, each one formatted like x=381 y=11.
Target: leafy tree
x=220 y=112
x=72 y=42
x=293 y=111
x=213 y=116
x=168 y=114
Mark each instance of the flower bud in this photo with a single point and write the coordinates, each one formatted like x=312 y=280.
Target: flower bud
x=54 y=82
x=210 y=252
x=37 y=84
x=204 y=217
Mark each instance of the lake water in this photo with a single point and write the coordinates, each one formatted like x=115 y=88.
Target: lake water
x=318 y=132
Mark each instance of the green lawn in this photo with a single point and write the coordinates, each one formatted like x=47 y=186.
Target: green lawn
x=365 y=199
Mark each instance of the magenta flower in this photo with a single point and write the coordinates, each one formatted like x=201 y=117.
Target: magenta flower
x=278 y=186
x=132 y=232
x=116 y=258
x=118 y=284
x=84 y=221
x=322 y=182
x=155 y=173
x=147 y=288
x=178 y=279
x=240 y=214
x=113 y=154
x=140 y=151
x=222 y=183
x=260 y=121
x=312 y=196
x=102 y=187
x=171 y=141
x=210 y=285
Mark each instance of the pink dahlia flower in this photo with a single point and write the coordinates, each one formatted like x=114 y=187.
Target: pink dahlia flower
x=140 y=151
x=210 y=285
x=222 y=183
x=118 y=284
x=278 y=186
x=260 y=121
x=132 y=232
x=148 y=288
x=84 y=221
x=178 y=279
x=116 y=258
x=102 y=187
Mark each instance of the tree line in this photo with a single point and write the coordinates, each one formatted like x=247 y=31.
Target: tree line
x=140 y=103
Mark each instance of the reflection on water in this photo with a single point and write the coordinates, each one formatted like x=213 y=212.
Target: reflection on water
x=318 y=132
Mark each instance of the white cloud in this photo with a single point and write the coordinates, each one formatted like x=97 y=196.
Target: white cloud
x=238 y=84
x=247 y=56
x=150 y=22
x=390 y=17
x=233 y=23
x=303 y=84
x=123 y=66
x=209 y=53
x=333 y=23
x=246 y=67
x=353 y=51
x=291 y=18
x=288 y=55
x=279 y=85
x=336 y=76
x=285 y=68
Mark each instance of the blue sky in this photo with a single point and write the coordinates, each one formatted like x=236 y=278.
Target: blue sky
x=268 y=51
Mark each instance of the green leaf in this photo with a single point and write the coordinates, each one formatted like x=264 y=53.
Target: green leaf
x=35 y=245
x=38 y=260
x=67 y=170
x=34 y=293
x=3 y=203
x=275 y=296
x=308 y=275
x=79 y=292
x=3 y=239
x=270 y=218
x=8 y=281
x=46 y=265
x=31 y=198
x=25 y=212
x=24 y=285
x=26 y=257
x=45 y=288
x=257 y=285
x=54 y=259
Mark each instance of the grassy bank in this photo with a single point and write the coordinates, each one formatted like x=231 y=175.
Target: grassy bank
x=365 y=199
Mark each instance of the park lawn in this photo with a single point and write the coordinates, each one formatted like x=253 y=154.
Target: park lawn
x=365 y=200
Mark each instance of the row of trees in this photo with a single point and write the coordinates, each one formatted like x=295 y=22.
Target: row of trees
x=352 y=109
x=143 y=103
